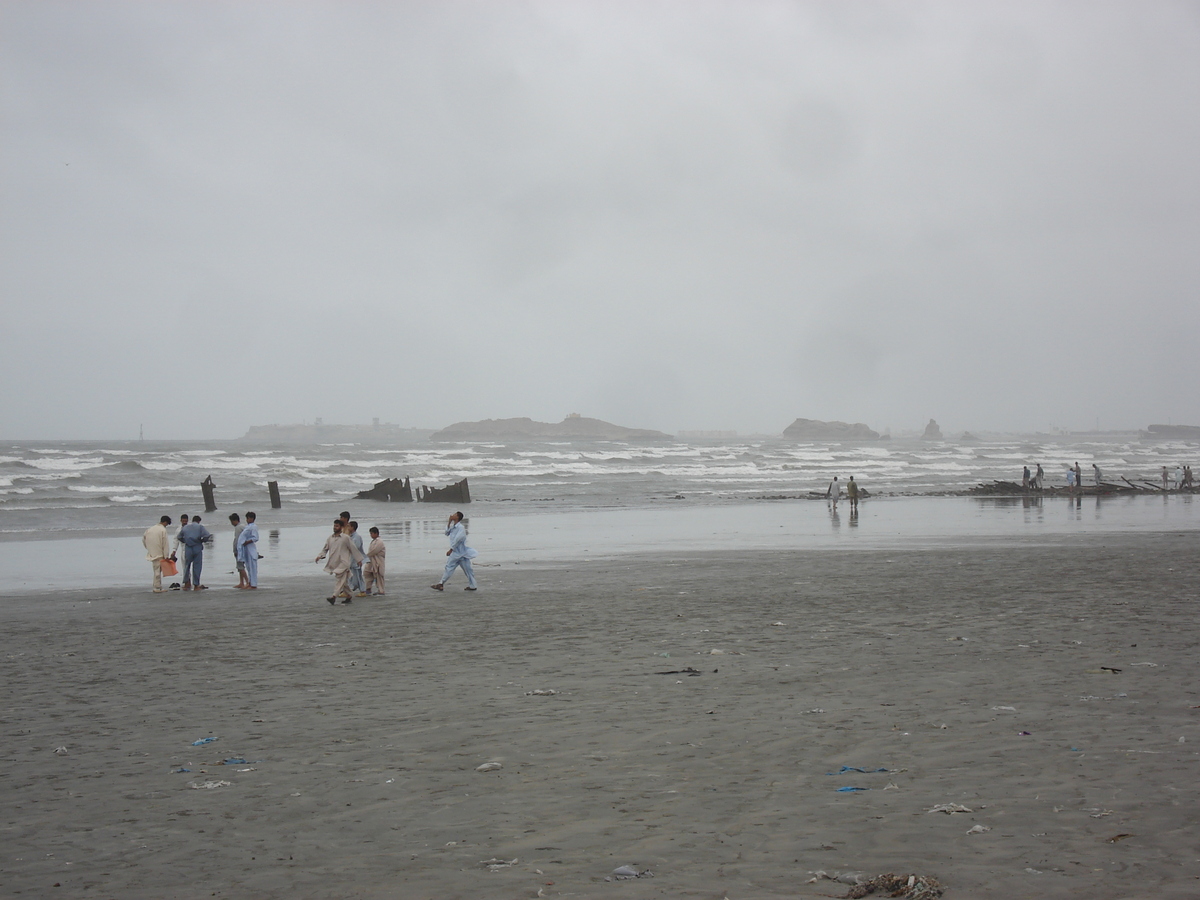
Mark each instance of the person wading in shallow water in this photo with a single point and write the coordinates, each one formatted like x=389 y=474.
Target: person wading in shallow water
x=460 y=554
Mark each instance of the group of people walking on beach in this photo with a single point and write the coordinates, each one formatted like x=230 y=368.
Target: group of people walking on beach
x=358 y=571
x=191 y=536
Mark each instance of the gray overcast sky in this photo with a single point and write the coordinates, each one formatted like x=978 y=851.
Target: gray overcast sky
x=677 y=215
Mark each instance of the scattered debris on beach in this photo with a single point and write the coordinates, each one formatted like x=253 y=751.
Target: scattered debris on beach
x=547 y=692
x=979 y=829
x=909 y=887
x=489 y=767
x=949 y=808
x=628 y=873
x=495 y=865
x=208 y=785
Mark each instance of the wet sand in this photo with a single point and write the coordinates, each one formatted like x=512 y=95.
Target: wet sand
x=980 y=674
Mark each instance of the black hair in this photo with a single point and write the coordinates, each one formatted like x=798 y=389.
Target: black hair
x=354 y=525
x=165 y=520
x=250 y=517
x=374 y=529
x=234 y=517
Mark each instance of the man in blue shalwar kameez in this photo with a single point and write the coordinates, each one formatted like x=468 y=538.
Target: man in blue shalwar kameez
x=460 y=554
x=248 y=551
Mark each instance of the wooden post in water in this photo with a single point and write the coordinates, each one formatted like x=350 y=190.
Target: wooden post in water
x=273 y=487
x=207 y=486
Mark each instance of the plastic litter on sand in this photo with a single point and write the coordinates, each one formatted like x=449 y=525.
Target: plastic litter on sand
x=949 y=808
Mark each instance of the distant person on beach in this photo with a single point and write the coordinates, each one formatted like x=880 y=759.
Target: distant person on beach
x=1178 y=477
x=177 y=546
x=1070 y=477
x=248 y=551
x=194 y=537
x=158 y=547
x=834 y=493
x=341 y=554
x=460 y=554
x=1166 y=479
x=373 y=568
x=1025 y=478
x=1078 y=476
x=1039 y=477
x=356 y=584
x=236 y=521
x=852 y=494
x=1096 y=474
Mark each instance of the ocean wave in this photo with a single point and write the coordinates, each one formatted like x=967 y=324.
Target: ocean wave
x=126 y=465
x=101 y=489
x=131 y=498
x=66 y=464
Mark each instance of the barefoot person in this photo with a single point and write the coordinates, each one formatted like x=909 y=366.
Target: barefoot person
x=460 y=554
x=236 y=521
x=248 y=551
x=158 y=548
x=834 y=493
x=194 y=537
x=356 y=584
x=373 y=568
x=341 y=554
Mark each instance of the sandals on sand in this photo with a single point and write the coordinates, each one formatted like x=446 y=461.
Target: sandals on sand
x=437 y=587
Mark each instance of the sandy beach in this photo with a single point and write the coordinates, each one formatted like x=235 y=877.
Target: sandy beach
x=1047 y=686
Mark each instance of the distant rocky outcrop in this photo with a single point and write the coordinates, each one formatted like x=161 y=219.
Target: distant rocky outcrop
x=572 y=428
x=932 y=432
x=814 y=430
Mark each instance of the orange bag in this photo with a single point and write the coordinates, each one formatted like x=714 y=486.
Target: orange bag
x=168 y=567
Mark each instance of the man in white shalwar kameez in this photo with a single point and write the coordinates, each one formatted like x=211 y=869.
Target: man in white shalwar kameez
x=341 y=554
x=834 y=493
x=376 y=565
x=460 y=554
x=247 y=544
x=158 y=548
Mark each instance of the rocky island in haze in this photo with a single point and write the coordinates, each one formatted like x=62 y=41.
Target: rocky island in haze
x=814 y=430
x=573 y=428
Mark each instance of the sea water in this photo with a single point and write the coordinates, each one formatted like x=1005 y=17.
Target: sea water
x=52 y=489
